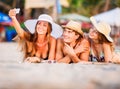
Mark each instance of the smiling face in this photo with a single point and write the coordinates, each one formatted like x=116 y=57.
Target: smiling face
x=69 y=36
x=42 y=27
x=93 y=33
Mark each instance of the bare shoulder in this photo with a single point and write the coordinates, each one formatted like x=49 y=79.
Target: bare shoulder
x=106 y=44
x=25 y=35
x=107 y=47
x=84 y=41
x=60 y=42
x=52 y=38
x=52 y=41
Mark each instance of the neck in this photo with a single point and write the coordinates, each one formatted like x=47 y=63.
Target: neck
x=72 y=44
x=41 y=38
x=42 y=41
x=95 y=41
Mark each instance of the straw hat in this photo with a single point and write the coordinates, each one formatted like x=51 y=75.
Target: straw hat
x=56 y=29
x=74 y=26
x=103 y=28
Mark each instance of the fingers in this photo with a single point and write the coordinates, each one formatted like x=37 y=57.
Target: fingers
x=86 y=48
x=27 y=60
x=81 y=49
x=32 y=60
x=66 y=44
x=12 y=13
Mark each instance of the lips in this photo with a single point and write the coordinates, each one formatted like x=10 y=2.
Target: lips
x=39 y=29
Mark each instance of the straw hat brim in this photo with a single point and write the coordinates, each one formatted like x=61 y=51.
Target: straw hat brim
x=107 y=36
x=99 y=29
x=73 y=28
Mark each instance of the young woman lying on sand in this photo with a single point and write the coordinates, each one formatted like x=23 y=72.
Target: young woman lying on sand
x=39 y=41
x=102 y=47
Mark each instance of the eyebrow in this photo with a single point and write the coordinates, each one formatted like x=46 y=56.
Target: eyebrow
x=69 y=29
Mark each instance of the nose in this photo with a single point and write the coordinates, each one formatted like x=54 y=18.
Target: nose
x=65 y=33
x=91 y=30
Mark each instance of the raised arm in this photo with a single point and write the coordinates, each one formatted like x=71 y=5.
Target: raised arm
x=19 y=30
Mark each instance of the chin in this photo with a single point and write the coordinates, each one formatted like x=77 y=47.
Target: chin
x=90 y=37
x=41 y=33
x=66 y=41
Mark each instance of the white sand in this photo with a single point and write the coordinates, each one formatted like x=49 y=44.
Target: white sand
x=15 y=75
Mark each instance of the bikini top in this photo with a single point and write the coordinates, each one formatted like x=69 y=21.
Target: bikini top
x=96 y=59
x=29 y=54
x=93 y=57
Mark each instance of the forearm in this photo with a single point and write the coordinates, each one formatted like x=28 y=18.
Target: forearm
x=65 y=59
x=52 y=49
x=108 y=59
x=75 y=58
x=51 y=55
x=19 y=30
x=17 y=26
x=107 y=52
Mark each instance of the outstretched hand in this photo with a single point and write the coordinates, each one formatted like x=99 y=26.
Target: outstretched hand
x=12 y=13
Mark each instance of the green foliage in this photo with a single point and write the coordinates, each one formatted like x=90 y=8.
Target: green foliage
x=117 y=3
x=84 y=7
x=89 y=7
x=9 y=2
x=12 y=28
x=87 y=3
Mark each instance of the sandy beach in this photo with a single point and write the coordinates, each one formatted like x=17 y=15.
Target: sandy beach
x=17 y=75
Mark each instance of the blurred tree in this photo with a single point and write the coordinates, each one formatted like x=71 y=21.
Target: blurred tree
x=6 y=5
x=118 y=3
x=90 y=7
x=84 y=7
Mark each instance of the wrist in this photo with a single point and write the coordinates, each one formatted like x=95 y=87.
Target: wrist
x=76 y=51
x=13 y=17
x=75 y=59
